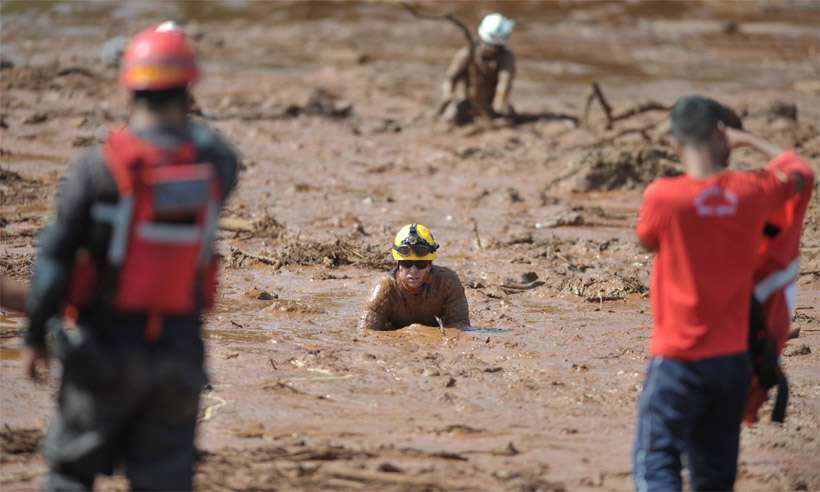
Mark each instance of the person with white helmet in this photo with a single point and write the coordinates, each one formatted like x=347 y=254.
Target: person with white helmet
x=416 y=292
x=487 y=78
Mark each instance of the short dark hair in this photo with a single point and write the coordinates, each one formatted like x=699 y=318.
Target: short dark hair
x=159 y=99
x=694 y=118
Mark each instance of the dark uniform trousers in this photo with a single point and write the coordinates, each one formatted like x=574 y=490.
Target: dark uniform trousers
x=691 y=409
x=127 y=402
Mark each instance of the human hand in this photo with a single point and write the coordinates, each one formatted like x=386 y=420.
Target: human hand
x=36 y=362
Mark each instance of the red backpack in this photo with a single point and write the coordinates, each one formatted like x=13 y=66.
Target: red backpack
x=162 y=232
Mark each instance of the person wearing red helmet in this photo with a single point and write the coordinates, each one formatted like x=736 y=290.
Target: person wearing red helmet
x=129 y=258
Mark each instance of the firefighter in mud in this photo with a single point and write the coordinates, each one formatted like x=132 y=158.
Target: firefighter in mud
x=705 y=227
x=416 y=292
x=486 y=79
x=130 y=258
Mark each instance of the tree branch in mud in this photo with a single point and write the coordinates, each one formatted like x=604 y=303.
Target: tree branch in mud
x=597 y=94
x=478 y=244
x=449 y=17
x=267 y=260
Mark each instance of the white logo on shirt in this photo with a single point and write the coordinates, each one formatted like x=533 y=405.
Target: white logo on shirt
x=715 y=202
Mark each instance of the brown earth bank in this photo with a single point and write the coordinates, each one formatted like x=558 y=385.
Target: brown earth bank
x=331 y=106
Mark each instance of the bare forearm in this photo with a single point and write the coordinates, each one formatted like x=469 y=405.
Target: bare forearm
x=740 y=138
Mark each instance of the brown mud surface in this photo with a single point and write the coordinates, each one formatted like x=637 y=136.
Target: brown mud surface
x=331 y=105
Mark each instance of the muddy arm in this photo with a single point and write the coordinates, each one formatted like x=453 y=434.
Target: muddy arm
x=456 y=72
x=456 y=309
x=59 y=243
x=377 y=310
x=649 y=221
x=506 y=75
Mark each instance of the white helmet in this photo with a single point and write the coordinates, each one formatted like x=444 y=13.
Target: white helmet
x=495 y=29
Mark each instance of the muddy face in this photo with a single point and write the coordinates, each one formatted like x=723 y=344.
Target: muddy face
x=413 y=278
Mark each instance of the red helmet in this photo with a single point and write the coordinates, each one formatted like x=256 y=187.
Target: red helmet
x=157 y=59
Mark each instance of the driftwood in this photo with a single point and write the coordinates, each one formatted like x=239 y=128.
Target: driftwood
x=468 y=37
x=267 y=260
x=235 y=224
x=597 y=94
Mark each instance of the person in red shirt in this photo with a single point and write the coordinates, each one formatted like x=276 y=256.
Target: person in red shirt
x=705 y=227
x=775 y=284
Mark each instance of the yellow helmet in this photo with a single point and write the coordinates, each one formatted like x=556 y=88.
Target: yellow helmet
x=414 y=242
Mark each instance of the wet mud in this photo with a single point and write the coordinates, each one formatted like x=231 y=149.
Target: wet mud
x=331 y=106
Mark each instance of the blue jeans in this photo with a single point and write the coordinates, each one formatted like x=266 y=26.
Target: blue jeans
x=691 y=408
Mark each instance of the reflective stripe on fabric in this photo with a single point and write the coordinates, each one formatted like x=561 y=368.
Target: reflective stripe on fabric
x=121 y=222
x=168 y=233
x=102 y=212
x=776 y=281
x=211 y=227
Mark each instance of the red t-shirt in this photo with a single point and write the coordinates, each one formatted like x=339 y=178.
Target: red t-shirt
x=708 y=236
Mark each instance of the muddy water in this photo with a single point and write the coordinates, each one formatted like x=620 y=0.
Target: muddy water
x=541 y=394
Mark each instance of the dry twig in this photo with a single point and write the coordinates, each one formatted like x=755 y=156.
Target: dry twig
x=597 y=94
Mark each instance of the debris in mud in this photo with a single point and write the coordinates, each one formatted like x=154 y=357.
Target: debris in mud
x=458 y=429
x=293 y=307
x=264 y=226
x=597 y=94
x=17 y=189
x=606 y=285
x=565 y=218
x=526 y=281
x=254 y=430
x=261 y=295
x=618 y=167
x=797 y=351
x=776 y=110
x=293 y=250
x=52 y=76
x=522 y=237
x=389 y=468
x=15 y=441
x=36 y=118
x=17 y=266
x=321 y=102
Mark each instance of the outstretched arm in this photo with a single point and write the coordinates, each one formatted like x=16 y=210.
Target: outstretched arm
x=59 y=244
x=800 y=173
x=455 y=73
x=506 y=75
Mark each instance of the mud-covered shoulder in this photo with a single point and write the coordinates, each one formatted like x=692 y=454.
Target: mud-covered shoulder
x=377 y=308
x=446 y=276
x=88 y=178
x=382 y=288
